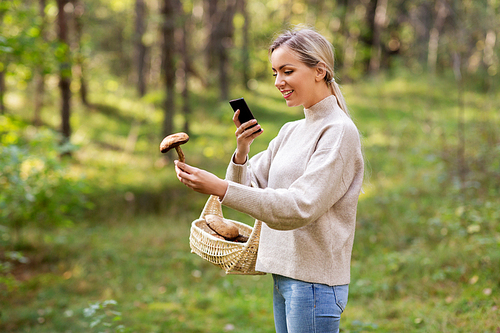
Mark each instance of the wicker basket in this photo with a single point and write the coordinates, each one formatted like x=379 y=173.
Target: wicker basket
x=233 y=257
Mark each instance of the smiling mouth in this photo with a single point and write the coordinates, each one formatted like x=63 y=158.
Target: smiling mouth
x=286 y=93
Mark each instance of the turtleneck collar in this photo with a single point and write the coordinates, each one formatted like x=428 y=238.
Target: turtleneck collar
x=321 y=109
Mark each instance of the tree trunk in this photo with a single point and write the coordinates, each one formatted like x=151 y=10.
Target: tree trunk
x=168 y=29
x=223 y=76
x=420 y=19
x=212 y=22
x=220 y=22
x=65 y=72
x=441 y=14
x=3 y=66
x=80 y=59
x=186 y=108
x=352 y=37
x=39 y=94
x=378 y=26
x=343 y=19
x=245 y=53
x=223 y=44
x=140 y=48
x=461 y=164
x=2 y=90
x=40 y=76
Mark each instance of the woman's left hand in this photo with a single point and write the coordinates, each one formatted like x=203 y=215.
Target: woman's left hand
x=200 y=180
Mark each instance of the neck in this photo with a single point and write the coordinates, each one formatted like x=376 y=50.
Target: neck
x=322 y=91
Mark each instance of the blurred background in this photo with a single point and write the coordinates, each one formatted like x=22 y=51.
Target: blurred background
x=94 y=225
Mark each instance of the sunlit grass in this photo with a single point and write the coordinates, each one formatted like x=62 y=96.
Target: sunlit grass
x=146 y=266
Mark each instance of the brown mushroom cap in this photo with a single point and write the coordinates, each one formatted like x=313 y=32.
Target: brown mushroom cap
x=173 y=140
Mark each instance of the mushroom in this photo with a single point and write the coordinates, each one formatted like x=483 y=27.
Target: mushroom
x=223 y=227
x=174 y=141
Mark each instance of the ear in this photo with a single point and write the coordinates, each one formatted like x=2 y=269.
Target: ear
x=320 y=72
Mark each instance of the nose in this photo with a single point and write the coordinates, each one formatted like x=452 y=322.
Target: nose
x=278 y=82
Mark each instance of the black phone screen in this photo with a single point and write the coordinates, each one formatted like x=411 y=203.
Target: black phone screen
x=245 y=113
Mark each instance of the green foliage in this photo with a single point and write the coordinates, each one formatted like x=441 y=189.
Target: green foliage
x=106 y=40
x=426 y=253
x=25 y=44
x=425 y=256
x=102 y=315
x=37 y=186
x=6 y=263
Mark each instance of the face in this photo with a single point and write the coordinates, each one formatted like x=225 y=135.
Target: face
x=296 y=81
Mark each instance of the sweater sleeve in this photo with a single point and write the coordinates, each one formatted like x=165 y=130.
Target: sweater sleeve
x=245 y=174
x=328 y=176
x=255 y=170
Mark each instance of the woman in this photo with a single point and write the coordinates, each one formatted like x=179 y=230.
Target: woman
x=308 y=182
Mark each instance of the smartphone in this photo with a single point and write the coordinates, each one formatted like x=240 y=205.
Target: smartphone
x=245 y=113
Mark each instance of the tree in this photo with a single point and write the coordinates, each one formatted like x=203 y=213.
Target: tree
x=186 y=60
x=221 y=30
x=40 y=75
x=65 y=70
x=2 y=90
x=78 y=12
x=211 y=21
x=440 y=17
x=245 y=52
x=352 y=33
x=3 y=49
x=379 y=22
x=140 y=48
x=225 y=32
x=168 y=63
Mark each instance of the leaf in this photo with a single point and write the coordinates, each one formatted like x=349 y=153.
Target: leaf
x=95 y=323
x=110 y=301
x=6 y=49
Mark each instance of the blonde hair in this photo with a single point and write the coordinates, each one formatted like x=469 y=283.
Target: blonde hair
x=312 y=48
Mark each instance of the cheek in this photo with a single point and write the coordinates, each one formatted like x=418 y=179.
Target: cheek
x=300 y=84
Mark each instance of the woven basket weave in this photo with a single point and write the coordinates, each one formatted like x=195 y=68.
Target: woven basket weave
x=233 y=257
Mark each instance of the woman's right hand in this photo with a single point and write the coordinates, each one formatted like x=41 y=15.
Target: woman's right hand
x=244 y=137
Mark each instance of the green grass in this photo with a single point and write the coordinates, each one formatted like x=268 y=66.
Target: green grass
x=427 y=249
x=146 y=266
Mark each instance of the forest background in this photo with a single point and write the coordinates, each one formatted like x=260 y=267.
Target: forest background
x=94 y=225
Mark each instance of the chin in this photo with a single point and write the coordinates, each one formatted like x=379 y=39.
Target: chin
x=290 y=103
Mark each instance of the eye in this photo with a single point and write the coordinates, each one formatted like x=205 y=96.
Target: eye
x=275 y=74
x=288 y=72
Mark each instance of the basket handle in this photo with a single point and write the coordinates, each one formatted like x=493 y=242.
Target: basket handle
x=214 y=207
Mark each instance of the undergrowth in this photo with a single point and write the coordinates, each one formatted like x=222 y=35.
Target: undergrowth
x=425 y=256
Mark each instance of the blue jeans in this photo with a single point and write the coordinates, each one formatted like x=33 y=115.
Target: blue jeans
x=303 y=307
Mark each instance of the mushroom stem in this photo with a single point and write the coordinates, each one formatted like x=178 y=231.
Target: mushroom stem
x=180 y=153
x=174 y=141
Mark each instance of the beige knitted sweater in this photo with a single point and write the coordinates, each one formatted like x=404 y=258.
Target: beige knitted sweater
x=309 y=180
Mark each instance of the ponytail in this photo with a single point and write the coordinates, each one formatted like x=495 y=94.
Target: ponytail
x=335 y=89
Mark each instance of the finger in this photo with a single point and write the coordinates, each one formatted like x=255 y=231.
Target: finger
x=188 y=182
x=252 y=133
x=182 y=175
x=184 y=167
x=249 y=124
x=178 y=172
x=186 y=177
x=236 y=119
x=242 y=130
x=256 y=133
x=239 y=131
